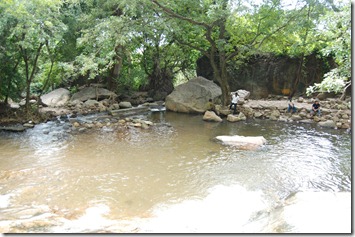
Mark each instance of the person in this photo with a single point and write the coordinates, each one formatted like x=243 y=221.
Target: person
x=291 y=106
x=315 y=108
x=235 y=98
x=210 y=106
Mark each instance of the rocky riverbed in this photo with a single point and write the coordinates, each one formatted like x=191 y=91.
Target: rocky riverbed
x=335 y=114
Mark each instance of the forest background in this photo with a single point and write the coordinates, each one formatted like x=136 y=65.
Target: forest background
x=153 y=45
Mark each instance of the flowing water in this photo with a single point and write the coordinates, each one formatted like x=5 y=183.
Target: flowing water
x=173 y=177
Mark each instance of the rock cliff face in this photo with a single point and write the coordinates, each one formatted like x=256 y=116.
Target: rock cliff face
x=264 y=75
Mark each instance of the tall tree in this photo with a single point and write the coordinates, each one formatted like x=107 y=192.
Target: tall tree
x=223 y=30
x=37 y=25
x=336 y=33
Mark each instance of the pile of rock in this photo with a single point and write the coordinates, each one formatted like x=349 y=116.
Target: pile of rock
x=334 y=113
x=110 y=123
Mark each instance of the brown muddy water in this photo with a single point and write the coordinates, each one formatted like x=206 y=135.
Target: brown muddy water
x=172 y=178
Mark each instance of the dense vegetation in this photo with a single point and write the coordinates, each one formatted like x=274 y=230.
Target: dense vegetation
x=153 y=44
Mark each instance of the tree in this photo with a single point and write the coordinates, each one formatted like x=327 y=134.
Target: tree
x=337 y=34
x=162 y=58
x=222 y=31
x=202 y=26
x=36 y=25
x=10 y=83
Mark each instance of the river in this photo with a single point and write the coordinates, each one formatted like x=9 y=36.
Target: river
x=175 y=178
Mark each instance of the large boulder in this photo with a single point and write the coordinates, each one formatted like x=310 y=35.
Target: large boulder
x=243 y=142
x=56 y=98
x=95 y=93
x=192 y=96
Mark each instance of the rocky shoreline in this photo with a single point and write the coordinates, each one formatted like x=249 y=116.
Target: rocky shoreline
x=190 y=97
x=334 y=112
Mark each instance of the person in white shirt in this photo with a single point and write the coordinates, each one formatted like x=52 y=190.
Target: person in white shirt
x=235 y=98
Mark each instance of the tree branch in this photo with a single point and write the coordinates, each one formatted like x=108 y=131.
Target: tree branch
x=176 y=15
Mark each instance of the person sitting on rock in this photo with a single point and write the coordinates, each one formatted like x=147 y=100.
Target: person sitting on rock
x=210 y=106
x=235 y=98
x=291 y=106
x=315 y=108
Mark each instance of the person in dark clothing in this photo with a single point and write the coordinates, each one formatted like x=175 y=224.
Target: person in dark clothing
x=315 y=108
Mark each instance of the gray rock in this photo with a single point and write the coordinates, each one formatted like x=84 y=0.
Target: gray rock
x=91 y=103
x=327 y=123
x=243 y=94
x=243 y=142
x=93 y=93
x=17 y=128
x=125 y=105
x=192 y=96
x=306 y=121
x=56 y=98
x=258 y=114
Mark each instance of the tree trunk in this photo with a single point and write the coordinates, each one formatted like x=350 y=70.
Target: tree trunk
x=160 y=80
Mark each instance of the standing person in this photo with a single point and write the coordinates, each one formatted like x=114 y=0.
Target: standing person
x=315 y=108
x=235 y=98
x=291 y=106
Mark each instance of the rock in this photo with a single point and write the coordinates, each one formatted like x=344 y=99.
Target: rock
x=192 y=96
x=125 y=105
x=211 y=116
x=339 y=124
x=56 y=98
x=258 y=114
x=243 y=142
x=91 y=103
x=282 y=119
x=93 y=93
x=17 y=128
x=316 y=118
x=242 y=116
x=241 y=101
x=306 y=121
x=296 y=117
x=346 y=126
x=76 y=124
x=327 y=123
x=28 y=125
x=14 y=106
x=275 y=114
x=300 y=99
x=129 y=111
x=232 y=118
x=247 y=110
x=243 y=94
x=239 y=117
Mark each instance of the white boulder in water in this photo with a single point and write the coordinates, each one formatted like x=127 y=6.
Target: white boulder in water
x=243 y=142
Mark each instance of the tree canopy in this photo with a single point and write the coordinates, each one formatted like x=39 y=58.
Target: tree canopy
x=148 y=44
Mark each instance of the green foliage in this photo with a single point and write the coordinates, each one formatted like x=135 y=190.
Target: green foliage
x=337 y=34
x=89 y=39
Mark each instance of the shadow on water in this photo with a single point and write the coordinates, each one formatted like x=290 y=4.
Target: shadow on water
x=128 y=180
